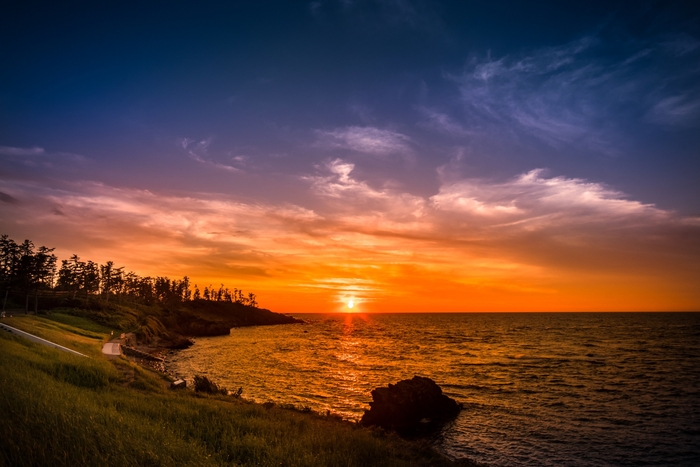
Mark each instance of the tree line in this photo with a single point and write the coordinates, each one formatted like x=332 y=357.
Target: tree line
x=31 y=271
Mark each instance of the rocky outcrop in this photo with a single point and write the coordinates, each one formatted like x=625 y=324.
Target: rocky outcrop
x=203 y=318
x=405 y=405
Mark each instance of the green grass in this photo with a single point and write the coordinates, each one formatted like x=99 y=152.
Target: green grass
x=80 y=336
x=78 y=323
x=60 y=409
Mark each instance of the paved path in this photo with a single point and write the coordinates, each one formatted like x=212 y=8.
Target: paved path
x=39 y=340
x=112 y=348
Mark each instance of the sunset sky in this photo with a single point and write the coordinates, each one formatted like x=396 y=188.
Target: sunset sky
x=409 y=155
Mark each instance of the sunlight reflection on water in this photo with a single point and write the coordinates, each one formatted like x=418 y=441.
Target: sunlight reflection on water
x=539 y=389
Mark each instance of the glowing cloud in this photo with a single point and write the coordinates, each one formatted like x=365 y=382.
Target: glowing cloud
x=531 y=242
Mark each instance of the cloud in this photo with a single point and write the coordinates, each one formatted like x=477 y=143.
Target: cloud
x=199 y=151
x=363 y=112
x=574 y=95
x=681 y=44
x=365 y=140
x=532 y=201
x=20 y=152
x=37 y=155
x=532 y=235
x=5 y=198
x=550 y=94
x=443 y=123
x=681 y=110
x=385 y=205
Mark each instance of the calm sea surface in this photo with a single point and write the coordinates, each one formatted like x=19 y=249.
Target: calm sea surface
x=550 y=389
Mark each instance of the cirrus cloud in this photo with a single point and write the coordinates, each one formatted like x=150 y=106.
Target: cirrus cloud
x=366 y=140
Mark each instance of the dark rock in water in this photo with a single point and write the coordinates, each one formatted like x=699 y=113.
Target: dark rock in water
x=405 y=405
x=180 y=343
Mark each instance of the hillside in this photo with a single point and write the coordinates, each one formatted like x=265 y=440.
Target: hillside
x=63 y=410
x=168 y=325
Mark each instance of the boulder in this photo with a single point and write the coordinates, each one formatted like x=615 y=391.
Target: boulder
x=179 y=343
x=404 y=406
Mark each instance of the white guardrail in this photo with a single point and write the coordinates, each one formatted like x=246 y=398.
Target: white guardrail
x=39 y=340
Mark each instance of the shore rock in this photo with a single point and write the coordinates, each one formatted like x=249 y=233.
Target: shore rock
x=404 y=405
x=179 y=343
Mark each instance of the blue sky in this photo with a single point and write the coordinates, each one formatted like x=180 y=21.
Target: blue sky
x=342 y=108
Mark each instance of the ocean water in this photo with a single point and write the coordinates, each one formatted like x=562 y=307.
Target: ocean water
x=539 y=389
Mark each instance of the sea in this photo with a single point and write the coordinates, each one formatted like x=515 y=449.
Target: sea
x=539 y=389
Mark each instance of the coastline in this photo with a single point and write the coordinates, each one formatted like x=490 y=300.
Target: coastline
x=58 y=402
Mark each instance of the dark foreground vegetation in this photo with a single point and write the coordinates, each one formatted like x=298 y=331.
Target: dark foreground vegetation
x=63 y=410
x=158 y=310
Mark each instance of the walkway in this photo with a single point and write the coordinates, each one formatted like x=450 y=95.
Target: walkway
x=112 y=348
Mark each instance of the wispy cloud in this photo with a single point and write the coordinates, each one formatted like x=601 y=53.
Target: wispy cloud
x=365 y=140
x=199 y=151
x=681 y=110
x=20 y=152
x=681 y=44
x=38 y=155
x=575 y=95
x=443 y=123
x=5 y=198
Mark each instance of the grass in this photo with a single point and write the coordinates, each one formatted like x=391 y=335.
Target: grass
x=60 y=409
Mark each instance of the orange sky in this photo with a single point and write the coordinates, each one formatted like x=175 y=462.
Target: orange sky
x=531 y=243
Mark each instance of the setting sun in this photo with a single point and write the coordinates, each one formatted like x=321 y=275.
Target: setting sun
x=351 y=303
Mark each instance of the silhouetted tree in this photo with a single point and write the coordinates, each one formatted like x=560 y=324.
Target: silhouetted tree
x=251 y=300
x=43 y=272
x=90 y=279
x=25 y=270
x=69 y=276
x=28 y=270
x=110 y=279
x=9 y=259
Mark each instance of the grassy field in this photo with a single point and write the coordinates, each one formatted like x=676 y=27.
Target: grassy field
x=60 y=409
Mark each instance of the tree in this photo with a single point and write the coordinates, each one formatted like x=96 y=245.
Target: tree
x=90 y=279
x=43 y=272
x=25 y=270
x=111 y=279
x=9 y=257
x=252 y=300
x=70 y=275
x=28 y=270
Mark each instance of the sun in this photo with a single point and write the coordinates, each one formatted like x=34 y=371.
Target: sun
x=351 y=303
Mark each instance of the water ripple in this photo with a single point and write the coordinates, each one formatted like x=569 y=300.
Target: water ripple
x=539 y=389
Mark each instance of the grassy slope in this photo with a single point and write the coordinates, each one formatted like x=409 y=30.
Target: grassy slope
x=60 y=409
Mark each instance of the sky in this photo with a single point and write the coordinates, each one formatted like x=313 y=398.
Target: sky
x=413 y=156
